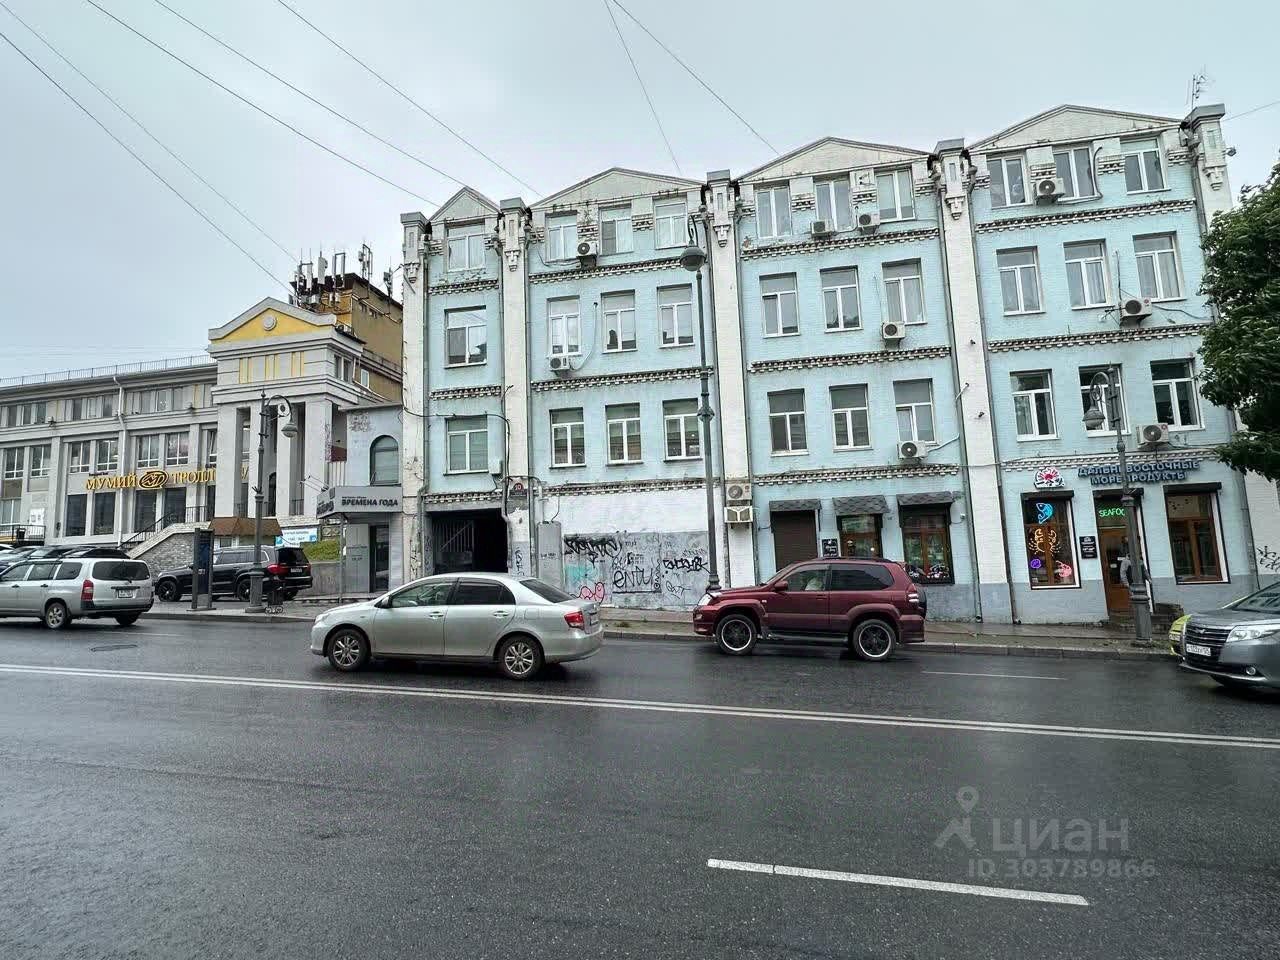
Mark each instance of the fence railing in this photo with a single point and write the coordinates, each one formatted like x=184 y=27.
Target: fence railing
x=116 y=370
x=201 y=514
x=15 y=533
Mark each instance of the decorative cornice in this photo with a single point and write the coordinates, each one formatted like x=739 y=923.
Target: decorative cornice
x=624 y=486
x=886 y=471
x=615 y=379
x=1125 y=335
x=923 y=188
x=465 y=496
x=1178 y=156
x=1135 y=459
x=1085 y=216
x=642 y=221
x=1113 y=163
x=606 y=270
x=849 y=359
x=803 y=201
x=982 y=180
x=838 y=242
x=462 y=286
x=467 y=393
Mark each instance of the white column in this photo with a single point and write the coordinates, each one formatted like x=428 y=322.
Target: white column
x=285 y=478
x=255 y=426
x=317 y=433
x=228 y=460
x=413 y=441
x=515 y=376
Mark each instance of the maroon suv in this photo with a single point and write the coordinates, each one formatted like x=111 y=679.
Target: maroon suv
x=872 y=605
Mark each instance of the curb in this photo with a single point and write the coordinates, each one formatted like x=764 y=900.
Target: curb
x=229 y=618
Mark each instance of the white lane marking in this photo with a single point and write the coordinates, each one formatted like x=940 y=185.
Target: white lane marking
x=660 y=706
x=871 y=879
x=1007 y=676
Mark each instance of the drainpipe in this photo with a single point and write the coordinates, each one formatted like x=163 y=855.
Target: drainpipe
x=424 y=262
x=715 y=362
x=742 y=339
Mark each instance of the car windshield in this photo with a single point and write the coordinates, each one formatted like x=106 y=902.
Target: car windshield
x=546 y=591
x=1266 y=600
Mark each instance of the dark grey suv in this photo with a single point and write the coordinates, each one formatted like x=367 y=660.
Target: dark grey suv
x=1239 y=645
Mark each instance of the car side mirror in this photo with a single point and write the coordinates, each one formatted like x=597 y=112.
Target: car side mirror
x=781 y=587
x=383 y=602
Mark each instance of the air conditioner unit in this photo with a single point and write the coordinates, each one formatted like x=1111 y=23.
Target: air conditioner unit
x=737 y=490
x=891 y=330
x=739 y=513
x=1151 y=434
x=1049 y=189
x=587 y=248
x=911 y=450
x=868 y=222
x=821 y=228
x=1134 y=309
x=560 y=365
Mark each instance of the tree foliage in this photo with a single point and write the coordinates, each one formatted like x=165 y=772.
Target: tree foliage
x=1242 y=349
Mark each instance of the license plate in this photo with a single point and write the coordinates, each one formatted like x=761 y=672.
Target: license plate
x=126 y=593
x=295 y=569
x=1197 y=650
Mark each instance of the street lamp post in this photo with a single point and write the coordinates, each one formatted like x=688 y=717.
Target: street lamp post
x=692 y=259
x=1104 y=394
x=289 y=430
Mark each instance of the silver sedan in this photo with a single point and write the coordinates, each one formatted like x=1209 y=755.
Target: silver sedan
x=516 y=623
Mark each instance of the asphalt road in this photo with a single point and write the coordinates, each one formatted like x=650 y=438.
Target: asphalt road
x=206 y=790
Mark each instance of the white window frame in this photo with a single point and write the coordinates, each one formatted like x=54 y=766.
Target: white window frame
x=1172 y=385
x=842 y=213
x=616 y=319
x=15 y=463
x=681 y=420
x=895 y=291
x=40 y=464
x=560 y=227
x=911 y=407
x=610 y=214
x=788 y=419
x=630 y=430
x=1137 y=148
x=452 y=431
x=843 y=292
x=1072 y=155
x=471 y=320
x=1154 y=256
x=897 y=176
x=472 y=246
x=674 y=224
x=567 y=429
x=561 y=325
x=1079 y=263
x=768 y=197
x=149 y=460
x=777 y=296
x=1003 y=162
x=1061 y=504
x=112 y=462
x=1028 y=396
x=83 y=464
x=673 y=316
x=1020 y=280
x=209 y=445
x=1086 y=398
x=846 y=413
x=181 y=440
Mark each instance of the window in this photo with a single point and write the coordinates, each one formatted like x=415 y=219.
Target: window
x=40 y=460
x=1175 y=391
x=14 y=462
x=851 y=577
x=1087 y=273
x=546 y=591
x=849 y=413
x=564 y=327
x=622 y=423
x=466 y=333
x=779 y=297
x=1033 y=405
x=16 y=572
x=468 y=444
x=24 y=414
x=466 y=247
x=176 y=450
x=107 y=405
x=343 y=369
x=562 y=237
x=144 y=510
x=1051 y=559
x=433 y=594
x=615 y=230
x=833 y=203
x=1142 y=170
x=1019 y=280
x=481 y=593
x=619 y=322
x=77 y=508
x=384 y=462
x=1075 y=169
x=68 y=571
x=896 y=195
x=680 y=422
x=1008 y=181
x=860 y=535
x=9 y=513
x=568 y=438
x=773 y=211
x=1193 y=537
x=903 y=292
x=675 y=316
x=1158 y=266
x=669 y=219
x=148 y=451
x=786 y=422
x=107 y=456
x=78 y=456
x=914 y=402
x=926 y=544
x=1086 y=398
x=104 y=513
x=209 y=444
x=840 y=298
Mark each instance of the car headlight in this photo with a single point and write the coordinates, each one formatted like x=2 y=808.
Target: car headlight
x=708 y=598
x=1254 y=631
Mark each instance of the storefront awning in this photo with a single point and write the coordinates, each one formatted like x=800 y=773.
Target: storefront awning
x=243 y=527
x=927 y=499
x=850 y=506
x=1065 y=493
x=461 y=506
x=1176 y=488
x=788 y=506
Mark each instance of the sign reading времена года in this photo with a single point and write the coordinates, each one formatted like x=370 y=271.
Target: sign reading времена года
x=150 y=479
x=1159 y=471
x=358 y=500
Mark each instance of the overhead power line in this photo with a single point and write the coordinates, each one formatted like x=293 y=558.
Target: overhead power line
x=139 y=124
x=266 y=113
x=643 y=88
x=688 y=69
x=404 y=96
x=152 y=170
x=1246 y=113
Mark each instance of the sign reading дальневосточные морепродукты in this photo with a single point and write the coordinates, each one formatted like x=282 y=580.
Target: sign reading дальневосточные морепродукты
x=1108 y=474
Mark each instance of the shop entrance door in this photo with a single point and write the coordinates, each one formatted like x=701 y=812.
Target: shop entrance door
x=1113 y=543
x=379 y=557
x=795 y=536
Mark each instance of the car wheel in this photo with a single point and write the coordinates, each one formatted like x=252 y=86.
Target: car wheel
x=128 y=620
x=873 y=639
x=348 y=650
x=736 y=634
x=243 y=589
x=56 y=615
x=167 y=591
x=519 y=657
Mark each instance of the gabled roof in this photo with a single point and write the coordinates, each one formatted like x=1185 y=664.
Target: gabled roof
x=1071 y=121
x=617 y=183
x=276 y=306
x=466 y=204
x=831 y=153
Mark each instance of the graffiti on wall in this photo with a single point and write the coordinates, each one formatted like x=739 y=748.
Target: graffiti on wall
x=650 y=570
x=1268 y=559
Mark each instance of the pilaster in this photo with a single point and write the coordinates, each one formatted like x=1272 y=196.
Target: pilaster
x=413 y=445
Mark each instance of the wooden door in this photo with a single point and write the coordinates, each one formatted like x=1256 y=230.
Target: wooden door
x=1112 y=543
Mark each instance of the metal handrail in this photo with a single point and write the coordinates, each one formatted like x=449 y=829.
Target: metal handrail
x=117 y=370
x=198 y=514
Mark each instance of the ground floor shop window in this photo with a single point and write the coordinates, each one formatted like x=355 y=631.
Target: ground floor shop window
x=104 y=513
x=144 y=511
x=77 y=511
x=860 y=535
x=1051 y=560
x=1193 y=537
x=926 y=545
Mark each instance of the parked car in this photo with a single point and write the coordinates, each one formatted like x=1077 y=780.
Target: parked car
x=516 y=624
x=1238 y=645
x=9 y=557
x=1175 y=634
x=58 y=590
x=869 y=604
x=286 y=567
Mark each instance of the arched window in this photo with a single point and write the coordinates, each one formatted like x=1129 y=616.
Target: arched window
x=384 y=462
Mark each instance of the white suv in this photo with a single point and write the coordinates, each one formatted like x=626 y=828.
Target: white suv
x=63 y=589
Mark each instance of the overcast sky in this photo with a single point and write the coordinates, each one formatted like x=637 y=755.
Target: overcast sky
x=107 y=266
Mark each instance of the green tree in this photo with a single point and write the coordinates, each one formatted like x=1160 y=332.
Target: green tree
x=1242 y=349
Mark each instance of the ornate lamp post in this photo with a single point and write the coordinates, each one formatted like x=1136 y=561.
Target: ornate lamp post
x=289 y=430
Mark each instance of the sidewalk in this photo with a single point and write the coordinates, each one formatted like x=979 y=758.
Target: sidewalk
x=1001 y=639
